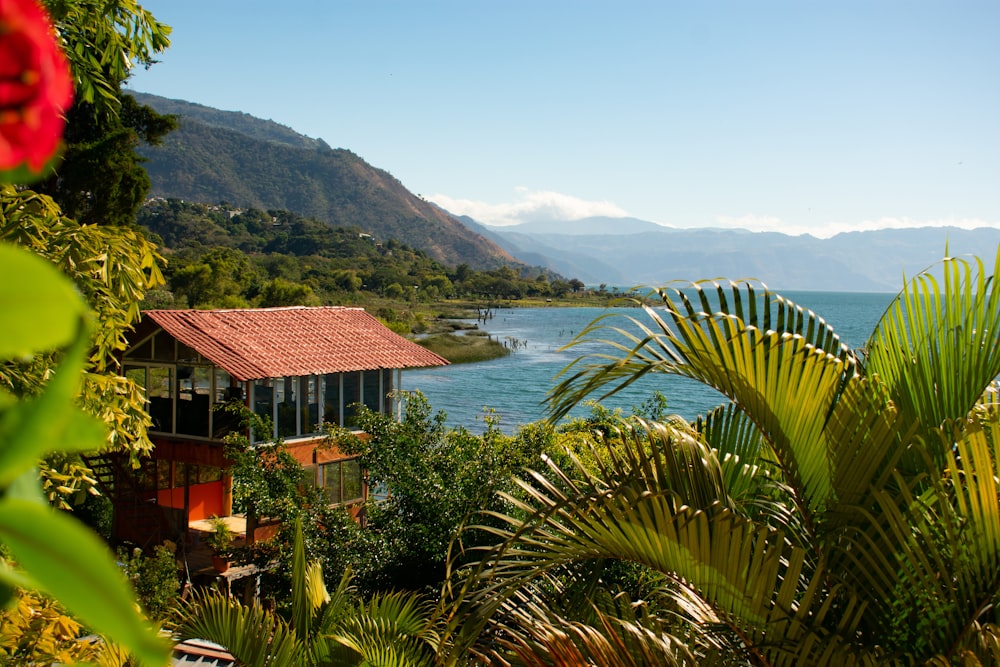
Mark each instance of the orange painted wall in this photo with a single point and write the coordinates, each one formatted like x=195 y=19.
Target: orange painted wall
x=205 y=499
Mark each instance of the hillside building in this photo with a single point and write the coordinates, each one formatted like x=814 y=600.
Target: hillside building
x=300 y=367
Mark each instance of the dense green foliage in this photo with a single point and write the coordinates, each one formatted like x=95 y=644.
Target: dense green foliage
x=427 y=478
x=222 y=256
x=101 y=179
x=154 y=577
x=49 y=551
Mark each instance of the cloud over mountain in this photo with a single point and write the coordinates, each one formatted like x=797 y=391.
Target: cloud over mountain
x=530 y=206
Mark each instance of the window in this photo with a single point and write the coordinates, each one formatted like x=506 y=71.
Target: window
x=309 y=403
x=163 y=347
x=194 y=399
x=351 y=395
x=137 y=374
x=341 y=481
x=372 y=390
x=285 y=396
x=160 y=394
x=386 y=390
x=263 y=398
x=331 y=399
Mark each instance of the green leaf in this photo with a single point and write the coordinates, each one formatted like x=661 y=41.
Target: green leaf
x=50 y=421
x=72 y=564
x=39 y=307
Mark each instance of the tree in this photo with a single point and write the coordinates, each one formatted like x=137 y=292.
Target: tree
x=433 y=477
x=281 y=292
x=104 y=40
x=112 y=268
x=101 y=179
x=221 y=278
x=36 y=630
x=841 y=509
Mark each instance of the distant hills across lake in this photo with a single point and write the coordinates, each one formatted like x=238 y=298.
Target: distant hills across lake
x=228 y=156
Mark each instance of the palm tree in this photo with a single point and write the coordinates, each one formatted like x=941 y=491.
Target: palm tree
x=390 y=629
x=841 y=509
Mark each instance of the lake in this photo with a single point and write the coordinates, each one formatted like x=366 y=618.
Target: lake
x=515 y=386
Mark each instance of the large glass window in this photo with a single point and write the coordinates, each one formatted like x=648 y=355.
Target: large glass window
x=184 y=393
x=386 y=390
x=340 y=390
x=143 y=350
x=341 y=481
x=137 y=374
x=227 y=389
x=163 y=347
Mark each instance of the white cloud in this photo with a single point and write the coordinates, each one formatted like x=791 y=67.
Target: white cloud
x=531 y=205
x=767 y=223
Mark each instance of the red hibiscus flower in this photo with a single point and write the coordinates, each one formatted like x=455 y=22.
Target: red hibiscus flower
x=35 y=87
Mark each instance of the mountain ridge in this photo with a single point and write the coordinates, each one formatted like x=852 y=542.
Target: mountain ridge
x=862 y=261
x=241 y=121
x=210 y=163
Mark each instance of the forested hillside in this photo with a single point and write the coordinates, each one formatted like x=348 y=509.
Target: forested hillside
x=223 y=256
x=249 y=162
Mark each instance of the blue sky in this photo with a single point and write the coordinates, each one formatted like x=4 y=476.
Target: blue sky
x=800 y=117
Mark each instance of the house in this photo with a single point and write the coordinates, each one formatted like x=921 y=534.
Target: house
x=299 y=366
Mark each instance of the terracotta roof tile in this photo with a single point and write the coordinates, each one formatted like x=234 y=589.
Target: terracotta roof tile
x=259 y=343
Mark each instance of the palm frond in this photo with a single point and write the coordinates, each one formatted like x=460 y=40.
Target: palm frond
x=390 y=629
x=340 y=605
x=255 y=637
x=936 y=347
x=302 y=606
x=750 y=476
x=781 y=365
x=545 y=639
x=752 y=579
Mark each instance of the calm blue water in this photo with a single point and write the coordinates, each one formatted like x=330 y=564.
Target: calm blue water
x=515 y=386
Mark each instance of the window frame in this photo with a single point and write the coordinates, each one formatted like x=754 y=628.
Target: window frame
x=326 y=468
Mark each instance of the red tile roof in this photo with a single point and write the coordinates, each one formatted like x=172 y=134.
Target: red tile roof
x=259 y=343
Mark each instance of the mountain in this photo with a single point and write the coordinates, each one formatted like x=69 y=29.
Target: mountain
x=225 y=156
x=625 y=255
